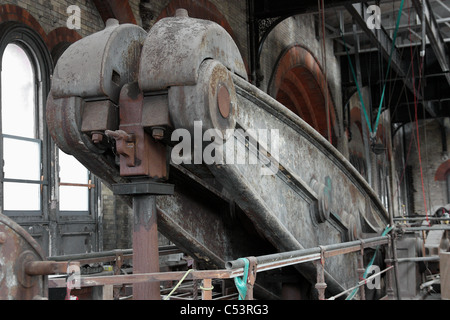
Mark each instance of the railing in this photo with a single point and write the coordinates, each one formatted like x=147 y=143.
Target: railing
x=246 y=266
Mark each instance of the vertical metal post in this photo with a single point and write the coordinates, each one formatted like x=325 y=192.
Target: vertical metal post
x=394 y=255
x=321 y=284
x=391 y=273
x=194 y=283
x=145 y=232
x=207 y=289
x=145 y=246
x=361 y=271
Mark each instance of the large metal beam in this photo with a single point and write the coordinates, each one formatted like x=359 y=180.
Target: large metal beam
x=381 y=39
x=426 y=15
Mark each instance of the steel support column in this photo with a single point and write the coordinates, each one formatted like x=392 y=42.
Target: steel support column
x=145 y=232
x=145 y=246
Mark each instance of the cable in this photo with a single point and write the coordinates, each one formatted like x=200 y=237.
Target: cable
x=178 y=284
x=241 y=284
x=417 y=122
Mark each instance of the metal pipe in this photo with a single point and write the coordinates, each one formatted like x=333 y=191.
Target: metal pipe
x=279 y=259
x=435 y=227
x=421 y=218
x=37 y=268
x=169 y=249
x=414 y=259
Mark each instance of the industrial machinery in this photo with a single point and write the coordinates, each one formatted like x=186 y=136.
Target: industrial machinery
x=170 y=122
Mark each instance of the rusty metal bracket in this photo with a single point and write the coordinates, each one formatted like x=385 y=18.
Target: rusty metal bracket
x=251 y=278
x=320 y=268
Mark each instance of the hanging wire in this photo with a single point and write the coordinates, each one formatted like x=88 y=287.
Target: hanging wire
x=416 y=117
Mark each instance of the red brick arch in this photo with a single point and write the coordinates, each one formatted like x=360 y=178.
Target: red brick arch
x=441 y=172
x=61 y=35
x=299 y=83
x=10 y=12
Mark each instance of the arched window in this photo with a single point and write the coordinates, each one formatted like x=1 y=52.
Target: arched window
x=25 y=71
x=42 y=189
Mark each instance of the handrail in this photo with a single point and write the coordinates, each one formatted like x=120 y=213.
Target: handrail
x=277 y=260
x=234 y=268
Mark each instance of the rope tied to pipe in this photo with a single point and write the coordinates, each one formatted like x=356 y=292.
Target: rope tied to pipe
x=241 y=283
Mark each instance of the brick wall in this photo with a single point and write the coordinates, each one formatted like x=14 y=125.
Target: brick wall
x=430 y=137
x=53 y=14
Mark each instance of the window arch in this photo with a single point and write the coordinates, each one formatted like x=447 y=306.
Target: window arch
x=25 y=76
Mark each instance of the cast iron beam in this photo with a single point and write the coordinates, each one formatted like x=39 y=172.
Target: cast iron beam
x=381 y=39
x=425 y=14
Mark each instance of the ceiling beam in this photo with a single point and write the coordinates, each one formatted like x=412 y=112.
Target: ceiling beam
x=425 y=13
x=381 y=39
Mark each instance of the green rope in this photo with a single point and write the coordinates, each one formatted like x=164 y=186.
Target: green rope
x=389 y=64
x=241 y=283
x=356 y=82
x=369 y=124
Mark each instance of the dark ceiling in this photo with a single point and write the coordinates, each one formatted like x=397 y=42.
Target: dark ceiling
x=345 y=24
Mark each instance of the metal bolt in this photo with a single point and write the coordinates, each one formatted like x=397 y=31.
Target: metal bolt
x=158 y=133
x=97 y=138
x=181 y=13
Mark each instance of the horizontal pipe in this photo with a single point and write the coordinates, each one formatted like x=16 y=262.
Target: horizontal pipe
x=420 y=218
x=313 y=253
x=94 y=255
x=414 y=259
x=37 y=268
x=435 y=227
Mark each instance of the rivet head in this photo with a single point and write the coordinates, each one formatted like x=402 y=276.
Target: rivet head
x=181 y=13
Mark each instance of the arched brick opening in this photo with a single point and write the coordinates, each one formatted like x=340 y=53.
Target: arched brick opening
x=299 y=83
x=117 y=9
x=202 y=9
x=61 y=35
x=56 y=40
x=10 y=12
x=442 y=171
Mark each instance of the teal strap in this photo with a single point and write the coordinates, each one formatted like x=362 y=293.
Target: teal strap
x=389 y=64
x=241 y=283
x=369 y=124
x=357 y=85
